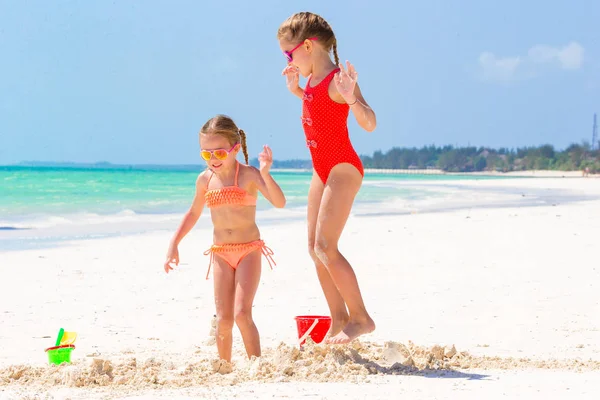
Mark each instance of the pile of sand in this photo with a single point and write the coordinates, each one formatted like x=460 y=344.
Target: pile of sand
x=354 y=362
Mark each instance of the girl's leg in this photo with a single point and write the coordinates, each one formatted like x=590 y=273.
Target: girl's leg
x=338 y=196
x=224 y=277
x=337 y=307
x=247 y=278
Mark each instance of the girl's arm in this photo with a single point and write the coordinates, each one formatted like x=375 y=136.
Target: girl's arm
x=270 y=189
x=292 y=78
x=345 y=89
x=298 y=91
x=265 y=182
x=189 y=220
x=364 y=114
x=193 y=214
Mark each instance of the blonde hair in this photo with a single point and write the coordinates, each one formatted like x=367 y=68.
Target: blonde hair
x=305 y=25
x=224 y=126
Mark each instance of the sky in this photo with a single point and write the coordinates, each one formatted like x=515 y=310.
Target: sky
x=133 y=81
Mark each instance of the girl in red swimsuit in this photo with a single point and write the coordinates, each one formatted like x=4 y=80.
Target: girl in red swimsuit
x=331 y=92
x=230 y=191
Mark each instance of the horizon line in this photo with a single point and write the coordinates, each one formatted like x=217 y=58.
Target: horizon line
x=296 y=160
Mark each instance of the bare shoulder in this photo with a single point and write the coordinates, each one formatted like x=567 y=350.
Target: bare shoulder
x=249 y=172
x=334 y=94
x=251 y=178
x=202 y=179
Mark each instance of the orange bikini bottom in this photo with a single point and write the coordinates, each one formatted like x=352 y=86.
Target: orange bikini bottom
x=234 y=253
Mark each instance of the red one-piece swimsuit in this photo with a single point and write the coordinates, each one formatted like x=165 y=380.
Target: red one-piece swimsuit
x=326 y=129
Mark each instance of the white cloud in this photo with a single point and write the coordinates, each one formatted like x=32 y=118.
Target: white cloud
x=496 y=68
x=568 y=57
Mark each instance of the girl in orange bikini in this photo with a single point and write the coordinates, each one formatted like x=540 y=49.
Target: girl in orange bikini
x=330 y=93
x=230 y=191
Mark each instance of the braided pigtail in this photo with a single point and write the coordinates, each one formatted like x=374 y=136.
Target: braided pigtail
x=243 y=142
x=335 y=54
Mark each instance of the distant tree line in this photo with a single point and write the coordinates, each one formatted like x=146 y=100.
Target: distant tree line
x=469 y=159
x=576 y=157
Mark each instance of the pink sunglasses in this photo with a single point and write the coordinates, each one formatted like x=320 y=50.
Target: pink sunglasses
x=288 y=54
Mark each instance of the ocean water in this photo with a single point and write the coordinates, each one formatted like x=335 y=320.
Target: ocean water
x=44 y=205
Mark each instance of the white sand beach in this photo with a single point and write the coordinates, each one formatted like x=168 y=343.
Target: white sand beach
x=506 y=271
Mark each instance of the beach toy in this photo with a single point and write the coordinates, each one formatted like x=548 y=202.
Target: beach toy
x=65 y=337
x=315 y=326
x=61 y=332
x=68 y=338
x=61 y=351
x=60 y=354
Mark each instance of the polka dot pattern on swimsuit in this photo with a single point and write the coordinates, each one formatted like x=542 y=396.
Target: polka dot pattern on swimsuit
x=325 y=126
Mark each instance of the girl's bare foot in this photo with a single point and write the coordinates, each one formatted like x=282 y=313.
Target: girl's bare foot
x=351 y=331
x=337 y=324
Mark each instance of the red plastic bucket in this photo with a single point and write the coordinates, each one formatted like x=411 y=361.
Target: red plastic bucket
x=315 y=326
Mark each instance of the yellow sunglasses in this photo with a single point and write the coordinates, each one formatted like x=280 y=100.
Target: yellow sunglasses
x=220 y=154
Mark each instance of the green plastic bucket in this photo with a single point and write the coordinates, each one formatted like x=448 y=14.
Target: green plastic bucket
x=60 y=354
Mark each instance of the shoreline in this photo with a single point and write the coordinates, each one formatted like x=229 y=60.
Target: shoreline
x=435 y=171
x=523 y=174
x=391 y=171
x=425 y=196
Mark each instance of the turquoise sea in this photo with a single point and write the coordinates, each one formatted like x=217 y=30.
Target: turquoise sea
x=49 y=204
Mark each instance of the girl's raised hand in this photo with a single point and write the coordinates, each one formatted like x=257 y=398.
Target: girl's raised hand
x=345 y=82
x=292 y=78
x=266 y=159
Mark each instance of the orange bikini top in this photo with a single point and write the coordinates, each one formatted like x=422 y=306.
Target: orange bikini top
x=228 y=195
